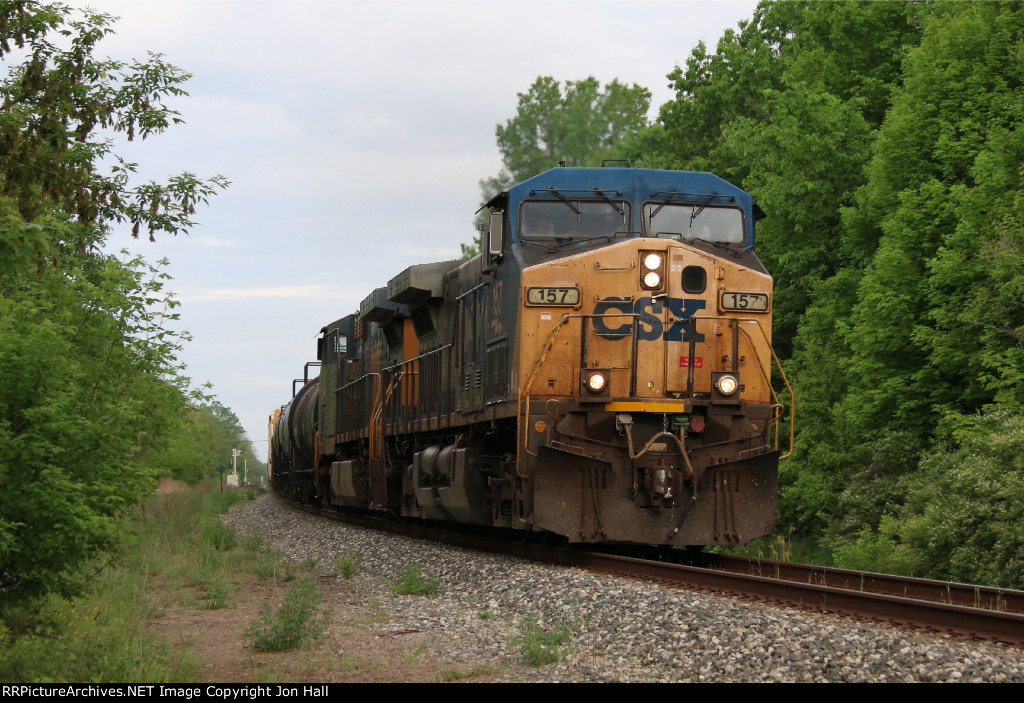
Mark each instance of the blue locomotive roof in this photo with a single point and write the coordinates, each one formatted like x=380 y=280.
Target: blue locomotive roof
x=637 y=185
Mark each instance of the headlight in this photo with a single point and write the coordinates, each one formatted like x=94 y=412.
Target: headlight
x=596 y=381
x=726 y=385
x=652 y=270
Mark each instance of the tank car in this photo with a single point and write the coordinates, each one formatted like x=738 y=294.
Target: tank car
x=602 y=370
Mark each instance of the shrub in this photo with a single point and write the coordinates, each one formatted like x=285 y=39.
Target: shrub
x=295 y=622
x=539 y=646
x=218 y=536
x=416 y=582
x=347 y=565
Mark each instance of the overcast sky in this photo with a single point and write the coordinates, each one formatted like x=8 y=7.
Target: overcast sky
x=354 y=133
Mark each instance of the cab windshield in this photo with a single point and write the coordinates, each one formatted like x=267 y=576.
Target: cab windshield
x=694 y=221
x=572 y=219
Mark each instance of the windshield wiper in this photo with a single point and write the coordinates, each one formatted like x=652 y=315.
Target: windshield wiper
x=609 y=201
x=661 y=205
x=701 y=208
x=551 y=189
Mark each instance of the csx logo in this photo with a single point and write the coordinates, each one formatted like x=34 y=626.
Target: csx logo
x=648 y=310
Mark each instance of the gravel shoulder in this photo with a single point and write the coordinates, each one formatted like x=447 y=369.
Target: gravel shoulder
x=624 y=631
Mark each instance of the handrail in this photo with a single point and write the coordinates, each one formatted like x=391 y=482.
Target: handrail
x=764 y=369
x=774 y=421
x=524 y=389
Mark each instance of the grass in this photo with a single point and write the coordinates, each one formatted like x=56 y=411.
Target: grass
x=415 y=581
x=296 y=622
x=449 y=675
x=539 y=646
x=178 y=551
x=416 y=655
x=180 y=554
x=347 y=565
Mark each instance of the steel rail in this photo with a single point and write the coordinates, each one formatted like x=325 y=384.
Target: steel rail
x=923 y=603
x=952 y=593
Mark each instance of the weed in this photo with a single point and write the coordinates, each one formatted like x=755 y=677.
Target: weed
x=216 y=594
x=448 y=675
x=347 y=565
x=539 y=646
x=377 y=614
x=416 y=655
x=295 y=622
x=255 y=544
x=218 y=536
x=265 y=565
x=414 y=581
x=483 y=614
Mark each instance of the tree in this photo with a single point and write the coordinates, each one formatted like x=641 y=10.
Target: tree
x=921 y=329
x=786 y=107
x=203 y=440
x=579 y=123
x=88 y=377
x=57 y=108
x=89 y=374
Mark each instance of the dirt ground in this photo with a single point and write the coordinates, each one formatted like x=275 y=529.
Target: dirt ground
x=353 y=649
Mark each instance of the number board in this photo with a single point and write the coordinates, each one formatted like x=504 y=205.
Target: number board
x=747 y=302
x=553 y=296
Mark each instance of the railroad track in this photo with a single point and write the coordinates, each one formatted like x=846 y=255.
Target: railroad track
x=957 y=609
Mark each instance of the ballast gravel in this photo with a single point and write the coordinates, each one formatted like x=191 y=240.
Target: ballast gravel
x=622 y=630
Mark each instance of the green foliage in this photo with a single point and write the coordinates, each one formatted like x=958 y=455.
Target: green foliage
x=470 y=250
x=577 y=122
x=414 y=581
x=59 y=104
x=800 y=157
x=960 y=517
x=931 y=331
x=216 y=595
x=879 y=550
x=103 y=635
x=92 y=640
x=218 y=536
x=295 y=623
x=539 y=646
x=965 y=514
x=83 y=387
x=202 y=442
x=884 y=141
x=89 y=375
x=348 y=565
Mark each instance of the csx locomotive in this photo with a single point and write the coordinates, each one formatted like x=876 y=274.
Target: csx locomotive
x=601 y=371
